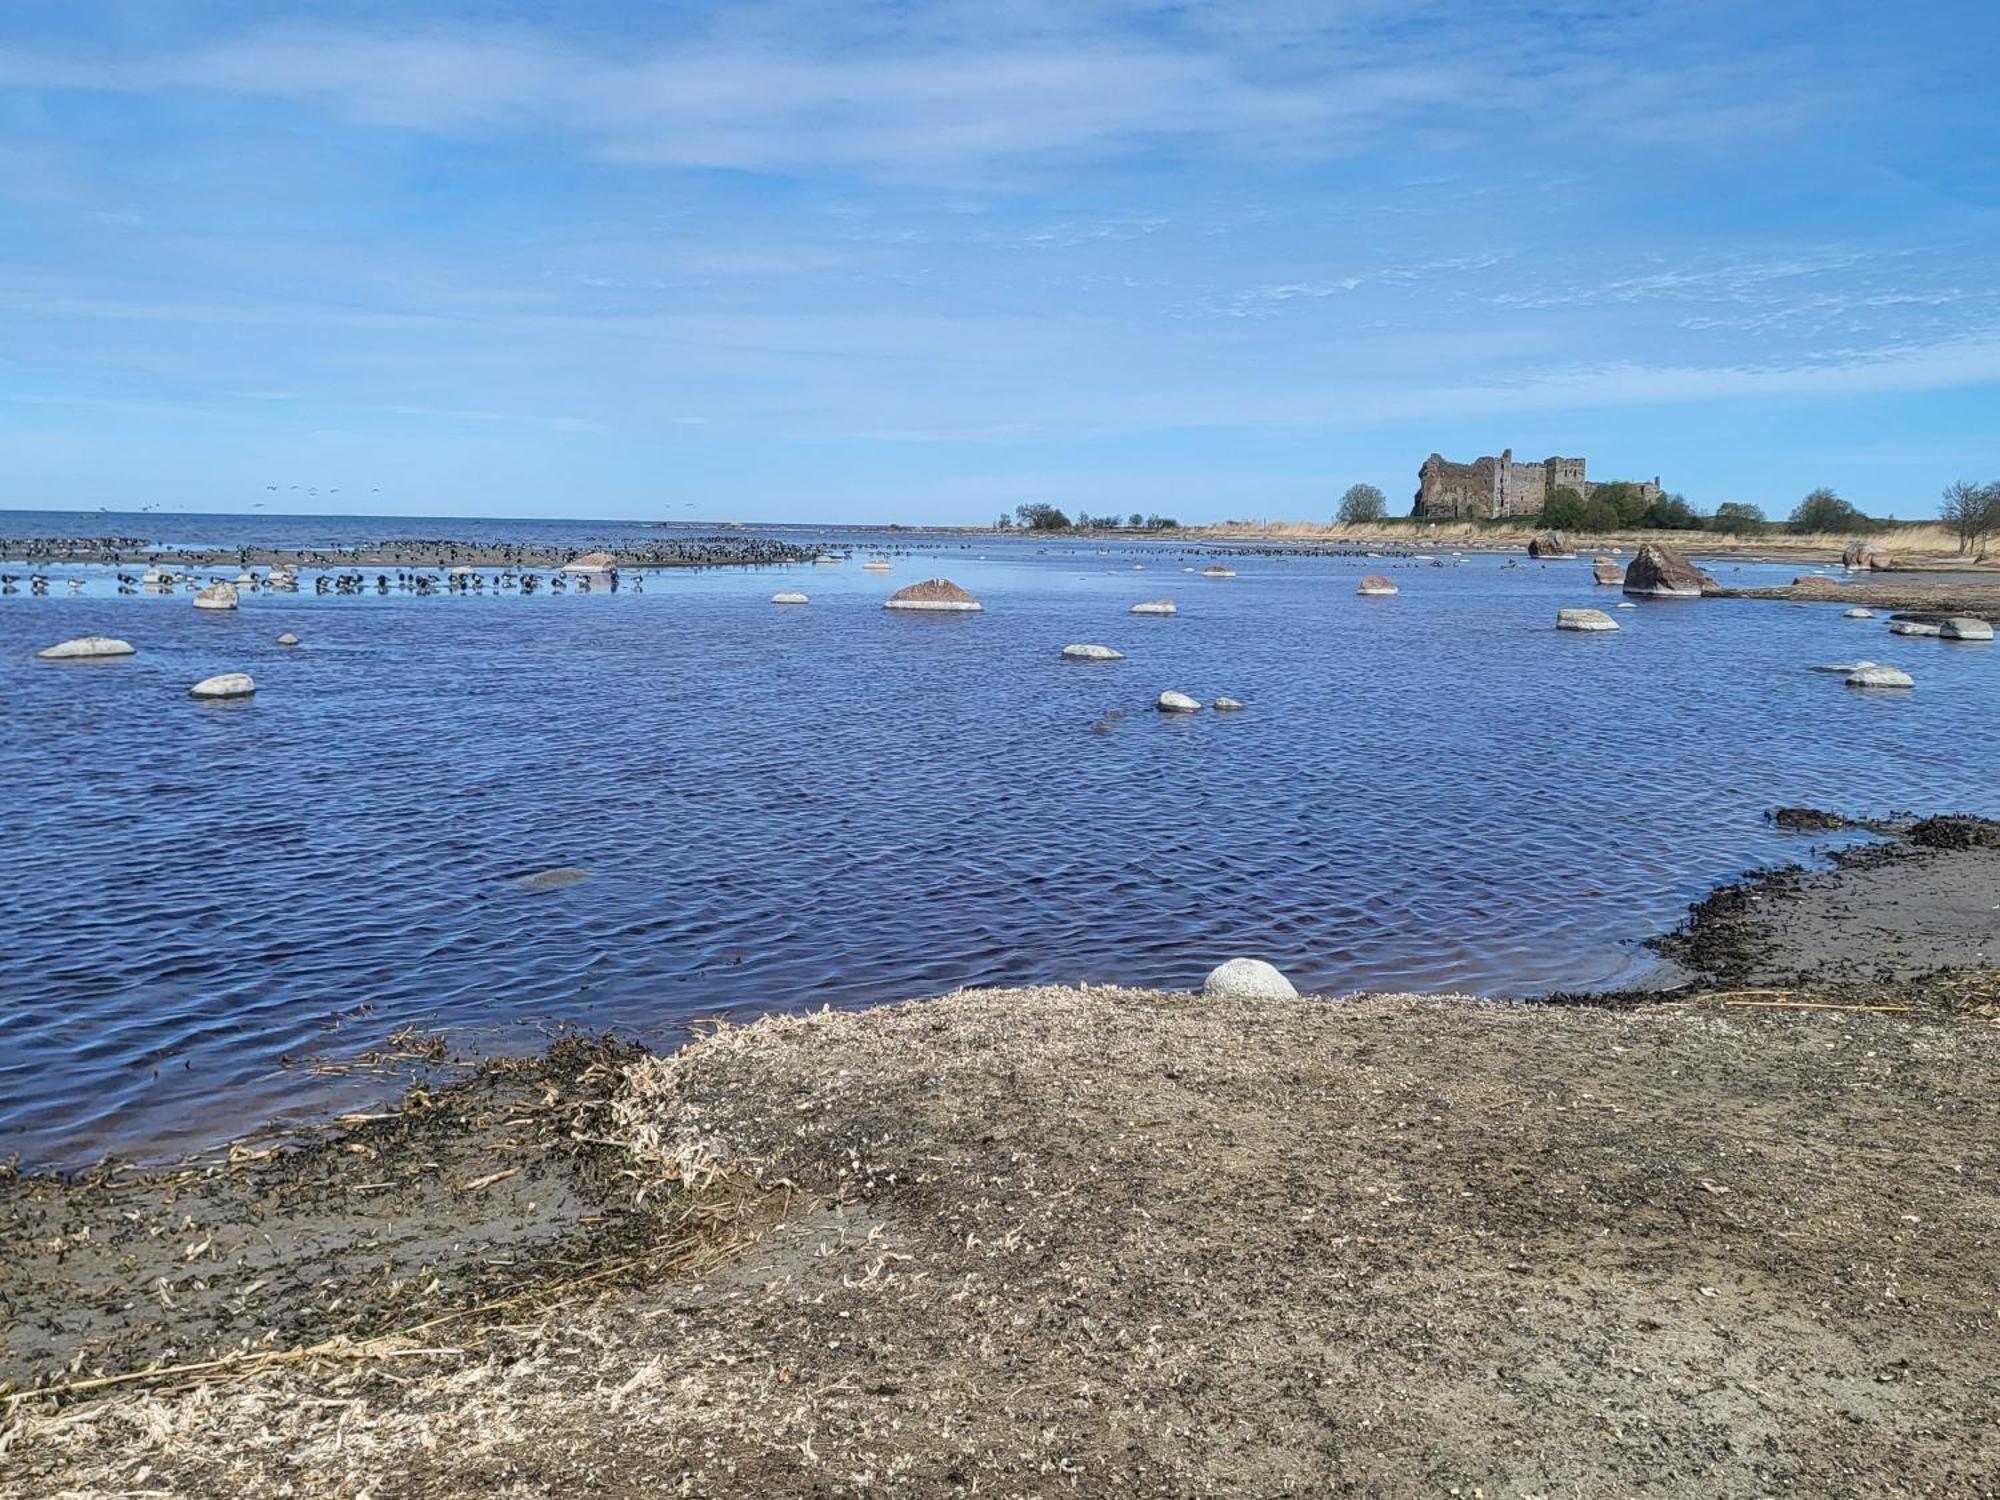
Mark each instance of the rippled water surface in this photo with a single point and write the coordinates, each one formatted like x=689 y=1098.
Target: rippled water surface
x=788 y=807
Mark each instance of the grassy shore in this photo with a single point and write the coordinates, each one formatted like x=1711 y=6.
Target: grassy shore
x=1743 y=1240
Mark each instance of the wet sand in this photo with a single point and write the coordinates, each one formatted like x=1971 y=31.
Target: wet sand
x=1108 y=1241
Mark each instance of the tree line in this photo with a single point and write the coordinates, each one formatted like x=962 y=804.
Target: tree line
x=1042 y=517
x=1972 y=511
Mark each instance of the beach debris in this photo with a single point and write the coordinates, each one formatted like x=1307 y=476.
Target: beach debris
x=225 y=685
x=1376 y=584
x=86 y=646
x=216 y=596
x=1606 y=570
x=1550 y=546
x=288 y=639
x=1901 y=626
x=1247 y=979
x=789 y=596
x=1227 y=706
x=933 y=594
x=1584 y=619
x=550 y=880
x=1965 y=628
x=1171 y=702
x=1156 y=607
x=1880 y=677
x=1860 y=614
x=591 y=562
x=1092 y=653
x=1659 y=572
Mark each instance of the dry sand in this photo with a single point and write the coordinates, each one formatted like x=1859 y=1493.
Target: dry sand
x=1114 y=1242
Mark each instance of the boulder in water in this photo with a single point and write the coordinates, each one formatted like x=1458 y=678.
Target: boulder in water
x=1218 y=571
x=1247 y=979
x=1659 y=572
x=1859 y=555
x=1550 y=546
x=1860 y=614
x=789 y=596
x=1178 y=703
x=288 y=639
x=1376 y=584
x=84 y=647
x=551 y=880
x=1915 y=627
x=1092 y=653
x=1227 y=706
x=227 y=685
x=1965 y=628
x=1880 y=677
x=217 y=596
x=1584 y=619
x=591 y=562
x=1606 y=571
x=939 y=594
x=1155 y=607
x=1845 y=668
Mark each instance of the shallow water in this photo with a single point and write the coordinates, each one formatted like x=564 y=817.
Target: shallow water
x=789 y=807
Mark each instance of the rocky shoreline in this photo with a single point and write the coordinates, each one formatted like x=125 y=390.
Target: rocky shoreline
x=1734 y=1237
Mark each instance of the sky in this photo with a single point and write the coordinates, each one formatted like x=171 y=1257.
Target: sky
x=847 y=260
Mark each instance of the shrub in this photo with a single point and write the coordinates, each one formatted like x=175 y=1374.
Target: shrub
x=1362 y=502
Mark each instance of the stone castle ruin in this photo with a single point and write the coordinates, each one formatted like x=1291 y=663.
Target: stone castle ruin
x=1488 y=488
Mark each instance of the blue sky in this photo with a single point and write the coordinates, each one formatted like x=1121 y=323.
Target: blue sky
x=837 y=259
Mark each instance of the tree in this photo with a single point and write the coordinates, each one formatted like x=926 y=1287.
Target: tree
x=1136 y=521
x=1823 y=510
x=1563 y=509
x=1006 y=522
x=1671 y=513
x=1039 y=516
x=1972 y=511
x=1739 y=519
x=1362 y=503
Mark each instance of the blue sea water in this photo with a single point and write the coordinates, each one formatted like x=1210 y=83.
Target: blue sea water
x=782 y=808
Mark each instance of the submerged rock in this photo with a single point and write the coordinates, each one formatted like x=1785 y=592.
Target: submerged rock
x=1965 y=628
x=226 y=685
x=217 y=596
x=85 y=646
x=933 y=594
x=1155 y=607
x=550 y=880
x=1247 y=979
x=1606 y=571
x=1550 y=546
x=1845 y=668
x=1092 y=653
x=1659 y=572
x=1880 y=677
x=1584 y=619
x=1375 y=583
x=1178 y=703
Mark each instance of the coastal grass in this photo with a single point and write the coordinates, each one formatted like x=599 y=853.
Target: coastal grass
x=1926 y=540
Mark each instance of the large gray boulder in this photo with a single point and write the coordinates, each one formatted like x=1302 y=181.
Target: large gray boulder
x=1965 y=628
x=85 y=647
x=1584 y=619
x=1658 y=572
x=1550 y=546
x=939 y=594
x=1606 y=571
x=1247 y=979
x=227 y=685
x=1880 y=677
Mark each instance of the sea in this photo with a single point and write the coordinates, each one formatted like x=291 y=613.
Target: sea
x=214 y=915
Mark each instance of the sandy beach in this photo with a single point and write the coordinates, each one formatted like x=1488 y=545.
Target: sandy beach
x=1738 y=1240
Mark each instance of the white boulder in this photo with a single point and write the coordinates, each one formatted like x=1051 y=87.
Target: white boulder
x=1155 y=607
x=227 y=685
x=86 y=646
x=1880 y=677
x=1092 y=653
x=288 y=639
x=1965 y=628
x=789 y=596
x=1584 y=619
x=1861 y=614
x=1178 y=703
x=1227 y=706
x=216 y=596
x=1247 y=979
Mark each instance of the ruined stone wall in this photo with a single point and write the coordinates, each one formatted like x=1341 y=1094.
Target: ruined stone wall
x=1488 y=488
